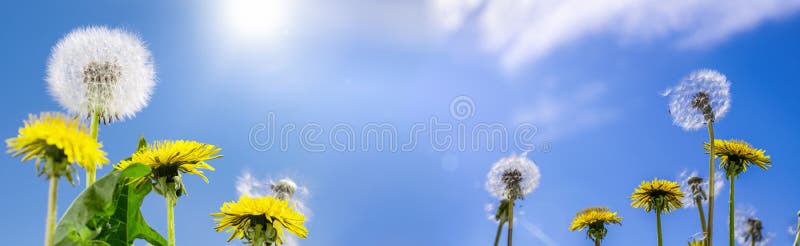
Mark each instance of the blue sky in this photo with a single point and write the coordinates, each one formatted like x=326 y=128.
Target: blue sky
x=588 y=77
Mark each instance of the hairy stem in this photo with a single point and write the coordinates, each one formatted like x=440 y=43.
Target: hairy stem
x=510 y=220
x=49 y=230
x=711 y=169
x=170 y=202
x=91 y=173
x=658 y=227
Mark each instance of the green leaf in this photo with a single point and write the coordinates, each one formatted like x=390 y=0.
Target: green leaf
x=107 y=213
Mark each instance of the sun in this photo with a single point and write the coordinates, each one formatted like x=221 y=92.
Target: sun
x=255 y=20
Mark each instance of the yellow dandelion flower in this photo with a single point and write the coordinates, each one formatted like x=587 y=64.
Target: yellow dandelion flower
x=168 y=159
x=260 y=220
x=595 y=219
x=737 y=155
x=659 y=195
x=697 y=243
x=57 y=138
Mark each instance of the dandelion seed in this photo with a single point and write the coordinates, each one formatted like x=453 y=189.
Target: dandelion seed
x=284 y=189
x=702 y=96
x=100 y=70
x=513 y=177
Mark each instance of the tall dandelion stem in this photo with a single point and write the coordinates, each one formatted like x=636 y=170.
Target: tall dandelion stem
x=699 y=203
x=170 y=202
x=797 y=233
x=510 y=220
x=499 y=231
x=658 y=227
x=51 y=212
x=711 y=169
x=596 y=242
x=91 y=173
x=730 y=213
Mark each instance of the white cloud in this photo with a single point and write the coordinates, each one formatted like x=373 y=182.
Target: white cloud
x=558 y=115
x=537 y=232
x=521 y=31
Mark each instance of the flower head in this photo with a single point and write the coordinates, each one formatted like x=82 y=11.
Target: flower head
x=595 y=218
x=659 y=195
x=60 y=141
x=702 y=96
x=168 y=159
x=100 y=70
x=260 y=220
x=513 y=177
x=284 y=189
x=737 y=155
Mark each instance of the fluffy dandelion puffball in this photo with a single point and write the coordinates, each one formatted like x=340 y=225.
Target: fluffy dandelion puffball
x=58 y=138
x=595 y=218
x=101 y=70
x=513 y=177
x=659 y=195
x=250 y=218
x=702 y=95
x=736 y=156
x=168 y=159
x=284 y=189
x=749 y=228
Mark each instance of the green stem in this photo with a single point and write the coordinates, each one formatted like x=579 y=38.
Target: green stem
x=658 y=227
x=730 y=213
x=797 y=234
x=699 y=203
x=91 y=173
x=170 y=202
x=49 y=230
x=499 y=231
x=711 y=169
x=510 y=220
x=752 y=242
x=597 y=242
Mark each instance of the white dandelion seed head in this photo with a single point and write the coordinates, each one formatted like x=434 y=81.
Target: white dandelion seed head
x=527 y=176
x=683 y=98
x=743 y=226
x=688 y=199
x=97 y=69
x=284 y=189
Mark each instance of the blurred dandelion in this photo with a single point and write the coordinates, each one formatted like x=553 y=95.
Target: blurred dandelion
x=700 y=99
x=260 y=221
x=59 y=141
x=512 y=178
x=595 y=219
x=749 y=229
x=659 y=195
x=735 y=157
x=167 y=160
x=248 y=185
x=101 y=74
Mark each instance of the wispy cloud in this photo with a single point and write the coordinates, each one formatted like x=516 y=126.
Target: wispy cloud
x=524 y=31
x=561 y=114
x=537 y=232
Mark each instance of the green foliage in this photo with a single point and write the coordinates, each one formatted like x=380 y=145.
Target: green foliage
x=107 y=213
